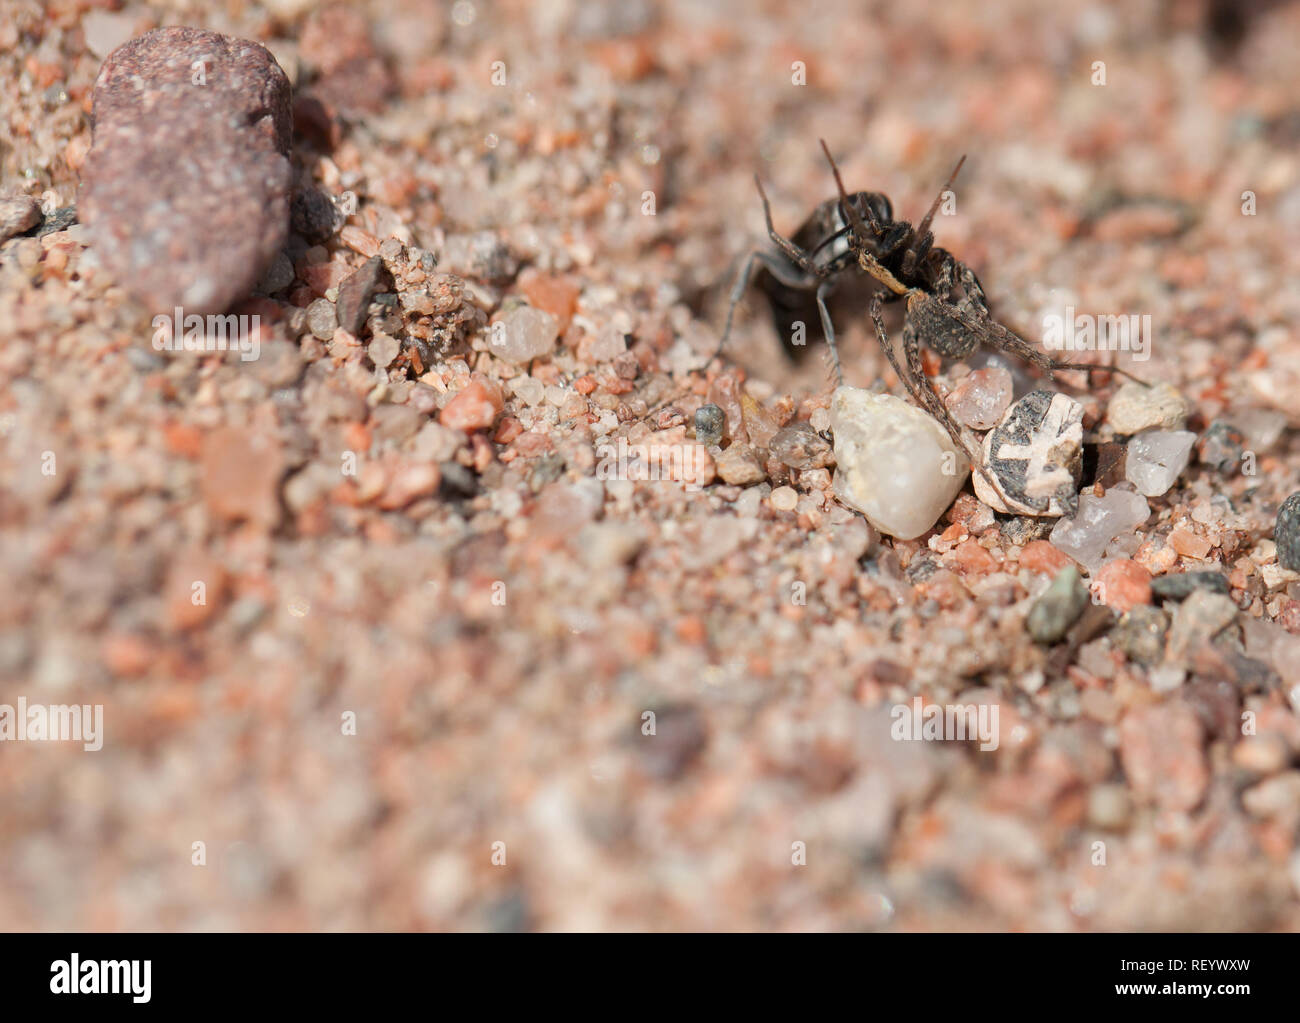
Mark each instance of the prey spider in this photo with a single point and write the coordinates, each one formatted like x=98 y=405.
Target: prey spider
x=946 y=305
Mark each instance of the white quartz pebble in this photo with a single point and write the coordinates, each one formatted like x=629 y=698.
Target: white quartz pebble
x=523 y=334
x=1100 y=521
x=1156 y=458
x=895 y=463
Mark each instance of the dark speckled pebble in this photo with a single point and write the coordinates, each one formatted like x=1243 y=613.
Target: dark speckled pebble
x=1141 y=634
x=1058 y=608
x=1180 y=586
x=1287 y=533
x=1221 y=447
x=710 y=421
x=59 y=220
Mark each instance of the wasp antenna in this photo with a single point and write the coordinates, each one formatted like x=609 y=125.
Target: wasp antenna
x=934 y=206
x=834 y=169
x=847 y=209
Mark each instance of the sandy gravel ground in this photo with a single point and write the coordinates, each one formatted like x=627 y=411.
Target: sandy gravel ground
x=413 y=695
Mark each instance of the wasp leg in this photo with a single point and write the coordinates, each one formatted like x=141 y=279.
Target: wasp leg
x=777 y=267
x=795 y=254
x=828 y=329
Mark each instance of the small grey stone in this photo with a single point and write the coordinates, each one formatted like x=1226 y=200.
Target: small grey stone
x=922 y=566
x=457 y=480
x=354 y=295
x=854 y=539
x=395 y=423
x=321 y=320
x=1286 y=534
x=1199 y=618
x=546 y=469
x=59 y=220
x=1180 y=586
x=1261 y=427
x=18 y=215
x=278 y=276
x=1141 y=634
x=144 y=360
x=680 y=735
x=509 y=914
x=314 y=216
x=1035 y=455
x=800 y=447
x=1058 y=608
x=1023 y=528
x=710 y=422
x=1221 y=447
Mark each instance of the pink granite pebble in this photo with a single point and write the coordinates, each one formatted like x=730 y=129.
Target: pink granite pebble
x=186 y=187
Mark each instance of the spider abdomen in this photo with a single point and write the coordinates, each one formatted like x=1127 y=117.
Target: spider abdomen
x=941 y=326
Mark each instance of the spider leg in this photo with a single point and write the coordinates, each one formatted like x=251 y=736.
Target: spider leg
x=1094 y=368
x=790 y=276
x=974 y=300
x=885 y=344
x=945 y=278
x=925 y=393
x=1011 y=342
x=975 y=310
x=918 y=385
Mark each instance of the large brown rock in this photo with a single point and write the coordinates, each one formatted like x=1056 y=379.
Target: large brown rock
x=186 y=187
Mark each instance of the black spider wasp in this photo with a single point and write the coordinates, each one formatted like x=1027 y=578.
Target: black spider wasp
x=946 y=305
x=789 y=288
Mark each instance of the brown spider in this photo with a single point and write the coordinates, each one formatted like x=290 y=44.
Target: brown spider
x=946 y=305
